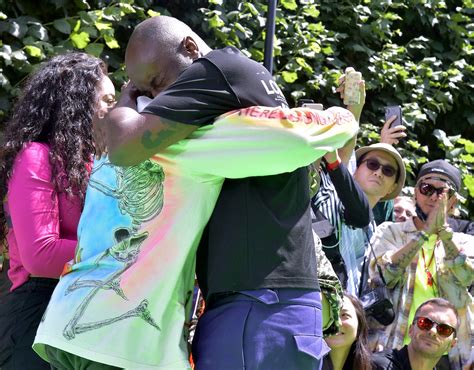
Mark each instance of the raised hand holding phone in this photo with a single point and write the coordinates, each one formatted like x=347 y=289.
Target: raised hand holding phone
x=394 y=110
x=393 y=130
x=352 y=90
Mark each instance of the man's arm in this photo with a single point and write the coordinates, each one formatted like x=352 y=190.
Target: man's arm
x=133 y=137
x=263 y=141
x=356 y=205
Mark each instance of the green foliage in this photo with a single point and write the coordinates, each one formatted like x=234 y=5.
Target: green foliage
x=415 y=53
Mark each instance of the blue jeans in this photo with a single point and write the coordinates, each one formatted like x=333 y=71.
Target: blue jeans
x=260 y=330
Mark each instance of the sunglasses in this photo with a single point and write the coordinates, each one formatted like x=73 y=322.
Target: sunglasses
x=429 y=190
x=373 y=165
x=425 y=323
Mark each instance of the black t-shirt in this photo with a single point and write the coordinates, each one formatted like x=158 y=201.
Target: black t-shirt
x=259 y=235
x=393 y=360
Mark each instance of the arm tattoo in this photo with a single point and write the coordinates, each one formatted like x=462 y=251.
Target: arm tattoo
x=404 y=258
x=450 y=249
x=161 y=137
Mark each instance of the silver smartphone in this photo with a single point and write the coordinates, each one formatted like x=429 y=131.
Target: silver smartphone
x=315 y=106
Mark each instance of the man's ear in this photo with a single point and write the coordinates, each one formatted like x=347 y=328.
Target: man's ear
x=190 y=47
x=454 y=342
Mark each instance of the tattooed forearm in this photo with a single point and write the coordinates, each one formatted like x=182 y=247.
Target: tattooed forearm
x=404 y=255
x=450 y=249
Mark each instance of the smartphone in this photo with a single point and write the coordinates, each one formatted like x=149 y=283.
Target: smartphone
x=309 y=103
x=351 y=88
x=394 y=110
x=315 y=106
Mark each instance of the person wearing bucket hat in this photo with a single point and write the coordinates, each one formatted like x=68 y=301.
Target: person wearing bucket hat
x=380 y=172
x=422 y=258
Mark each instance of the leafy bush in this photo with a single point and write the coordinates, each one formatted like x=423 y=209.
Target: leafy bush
x=416 y=53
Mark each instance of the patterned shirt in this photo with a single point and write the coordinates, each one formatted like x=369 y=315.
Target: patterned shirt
x=126 y=298
x=452 y=279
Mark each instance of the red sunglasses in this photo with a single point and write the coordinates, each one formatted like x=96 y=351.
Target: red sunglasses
x=424 y=323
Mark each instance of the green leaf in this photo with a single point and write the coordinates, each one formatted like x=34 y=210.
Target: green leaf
x=252 y=9
x=327 y=50
x=312 y=11
x=468 y=145
x=103 y=25
x=441 y=136
x=127 y=8
x=80 y=40
x=289 y=4
x=17 y=29
x=82 y=4
x=3 y=16
x=152 y=13
x=19 y=55
x=37 y=30
x=3 y=80
x=62 y=25
x=289 y=77
x=90 y=17
x=113 y=13
x=33 y=51
x=240 y=27
x=469 y=182
x=414 y=144
x=77 y=26
x=216 y=22
x=95 y=49
x=111 y=42
x=467 y=158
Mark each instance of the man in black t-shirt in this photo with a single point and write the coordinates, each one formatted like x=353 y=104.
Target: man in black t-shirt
x=256 y=263
x=432 y=333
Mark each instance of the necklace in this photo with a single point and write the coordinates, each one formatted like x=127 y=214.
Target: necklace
x=429 y=276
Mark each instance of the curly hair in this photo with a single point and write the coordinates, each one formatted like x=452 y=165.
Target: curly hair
x=56 y=106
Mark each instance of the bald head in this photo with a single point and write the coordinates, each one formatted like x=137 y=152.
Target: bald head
x=159 y=49
x=167 y=32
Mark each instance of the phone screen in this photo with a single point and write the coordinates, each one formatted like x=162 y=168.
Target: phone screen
x=394 y=110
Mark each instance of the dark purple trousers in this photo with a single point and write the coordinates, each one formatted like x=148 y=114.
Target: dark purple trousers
x=260 y=330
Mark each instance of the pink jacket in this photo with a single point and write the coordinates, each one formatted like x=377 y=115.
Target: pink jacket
x=42 y=233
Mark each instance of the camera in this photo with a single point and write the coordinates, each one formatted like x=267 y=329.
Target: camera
x=377 y=304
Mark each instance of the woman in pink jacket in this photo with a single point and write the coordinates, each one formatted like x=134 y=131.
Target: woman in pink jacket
x=45 y=160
